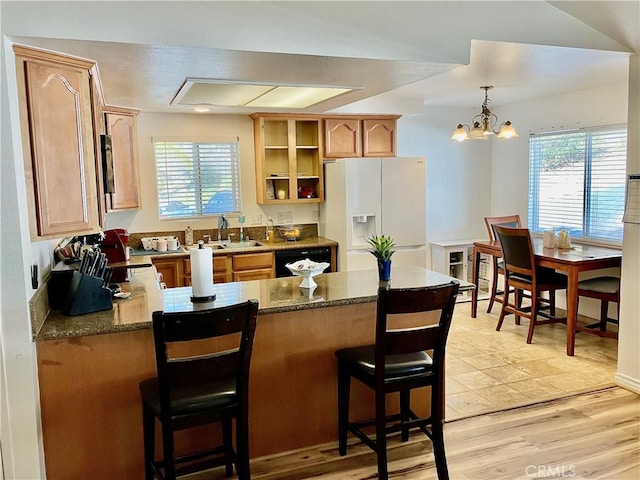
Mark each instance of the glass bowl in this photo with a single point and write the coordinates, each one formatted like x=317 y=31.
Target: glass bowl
x=307 y=270
x=289 y=233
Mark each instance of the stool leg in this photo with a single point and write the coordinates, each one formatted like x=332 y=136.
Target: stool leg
x=437 y=417
x=243 y=464
x=405 y=406
x=381 y=436
x=494 y=285
x=149 y=434
x=168 y=453
x=344 y=388
x=604 y=313
x=505 y=302
x=227 y=441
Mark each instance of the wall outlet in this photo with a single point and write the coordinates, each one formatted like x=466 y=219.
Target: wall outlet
x=288 y=216
x=280 y=218
x=256 y=219
x=315 y=215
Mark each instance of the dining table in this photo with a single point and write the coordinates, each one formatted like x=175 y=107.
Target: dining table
x=578 y=258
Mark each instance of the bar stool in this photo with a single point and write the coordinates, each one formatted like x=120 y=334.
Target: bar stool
x=522 y=274
x=498 y=265
x=200 y=387
x=398 y=362
x=606 y=289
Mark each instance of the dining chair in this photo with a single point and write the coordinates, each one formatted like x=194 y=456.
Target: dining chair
x=522 y=274
x=606 y=289
x=398 y=362
x=202 y=359
x=498 y=264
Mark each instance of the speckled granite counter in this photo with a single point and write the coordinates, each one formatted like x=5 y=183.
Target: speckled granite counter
x=275 y=295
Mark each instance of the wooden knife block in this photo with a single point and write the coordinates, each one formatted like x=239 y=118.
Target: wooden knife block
x=86 y=295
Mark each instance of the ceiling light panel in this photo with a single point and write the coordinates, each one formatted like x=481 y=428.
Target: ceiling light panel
x=295 y=97
x=221 y=94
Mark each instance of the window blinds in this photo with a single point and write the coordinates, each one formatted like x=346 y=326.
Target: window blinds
x=197 y=178
x=577 y=182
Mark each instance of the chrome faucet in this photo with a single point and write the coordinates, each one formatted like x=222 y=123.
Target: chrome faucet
x=223 y=223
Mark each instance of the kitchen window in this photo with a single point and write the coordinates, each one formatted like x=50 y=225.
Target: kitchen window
x=197 y=178
x=577 y=181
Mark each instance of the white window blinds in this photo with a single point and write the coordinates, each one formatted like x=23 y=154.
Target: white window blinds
x=577 y=182
x=197 y=178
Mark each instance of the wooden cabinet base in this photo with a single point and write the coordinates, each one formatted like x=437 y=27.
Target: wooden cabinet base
x=91 y=411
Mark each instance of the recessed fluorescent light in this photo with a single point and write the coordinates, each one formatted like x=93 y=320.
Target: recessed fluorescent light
x=295 y=97
x=198 y=91
x=202 y=110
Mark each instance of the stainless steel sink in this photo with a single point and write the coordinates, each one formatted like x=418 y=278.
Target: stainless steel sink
x=239 y=245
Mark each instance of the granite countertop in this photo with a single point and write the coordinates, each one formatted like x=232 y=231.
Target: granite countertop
x=274 y=295
x=263 y=246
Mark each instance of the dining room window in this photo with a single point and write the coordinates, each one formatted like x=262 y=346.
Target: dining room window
x=577 y=182
x=197 y=178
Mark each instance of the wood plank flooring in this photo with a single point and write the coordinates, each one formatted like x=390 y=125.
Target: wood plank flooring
x=514 y=411
x=586 y=436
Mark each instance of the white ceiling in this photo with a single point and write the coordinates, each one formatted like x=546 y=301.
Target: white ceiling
x=405 y=55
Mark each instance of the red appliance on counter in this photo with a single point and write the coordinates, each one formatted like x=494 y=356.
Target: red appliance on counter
x=114 y=246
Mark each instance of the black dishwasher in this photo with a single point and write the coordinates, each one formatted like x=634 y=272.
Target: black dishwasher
x=315 y=254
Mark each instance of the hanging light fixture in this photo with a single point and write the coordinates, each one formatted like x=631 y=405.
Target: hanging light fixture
x=484 y=124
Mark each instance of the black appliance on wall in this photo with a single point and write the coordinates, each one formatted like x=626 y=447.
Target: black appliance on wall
x=317 y=254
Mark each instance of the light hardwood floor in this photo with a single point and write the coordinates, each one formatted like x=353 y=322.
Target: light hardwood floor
x=586 y=436
x=514 y=411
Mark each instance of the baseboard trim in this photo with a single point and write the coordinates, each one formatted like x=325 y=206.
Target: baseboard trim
x=627 y=382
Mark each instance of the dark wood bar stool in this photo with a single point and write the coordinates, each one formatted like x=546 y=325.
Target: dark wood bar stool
x=498 y=264
x=398 y=362
x=606 y=289
x=203 y=359
x=522 y=274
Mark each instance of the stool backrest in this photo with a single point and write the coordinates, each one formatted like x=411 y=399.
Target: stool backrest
x=512 y=221
x=517 y=250
x=201 y=347
x=416 y=338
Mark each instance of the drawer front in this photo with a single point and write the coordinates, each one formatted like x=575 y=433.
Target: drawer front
x=246 y=275
x=219 y=264
x=252 y=261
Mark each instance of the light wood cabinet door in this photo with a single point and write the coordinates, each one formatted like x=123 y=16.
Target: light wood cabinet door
x=57 y=129
x=342 y=138
x=252 y=266
x=121 y=126
x=260 y=274
x=171 y=270
x=379 y=137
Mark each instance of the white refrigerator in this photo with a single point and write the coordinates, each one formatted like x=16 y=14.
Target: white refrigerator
x=375 y=196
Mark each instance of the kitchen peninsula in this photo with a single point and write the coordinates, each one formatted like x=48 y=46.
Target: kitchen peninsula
x=89 y=366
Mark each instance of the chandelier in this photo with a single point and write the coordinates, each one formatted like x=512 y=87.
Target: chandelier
x=484 y=124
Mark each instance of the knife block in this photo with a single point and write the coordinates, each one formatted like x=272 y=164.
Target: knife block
x=86 y=295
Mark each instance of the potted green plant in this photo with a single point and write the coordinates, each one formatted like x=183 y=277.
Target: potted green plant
x=382 y=247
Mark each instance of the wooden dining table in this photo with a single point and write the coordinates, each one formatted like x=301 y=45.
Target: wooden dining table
x=572 y=261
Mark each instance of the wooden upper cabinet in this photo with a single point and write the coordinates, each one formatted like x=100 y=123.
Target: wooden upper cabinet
x=58 y=142
x=288 y=158
x=379 y=137
x=121 y=126
x=342 y=138
x=360 y=136
x=99 y=128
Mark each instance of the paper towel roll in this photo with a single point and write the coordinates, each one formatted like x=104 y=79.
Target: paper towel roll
x=201 y=273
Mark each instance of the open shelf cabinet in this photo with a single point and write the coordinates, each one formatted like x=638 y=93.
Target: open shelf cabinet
x=288 y=159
